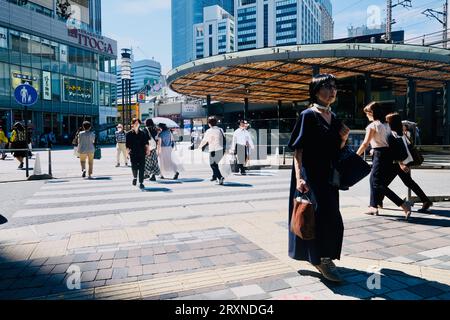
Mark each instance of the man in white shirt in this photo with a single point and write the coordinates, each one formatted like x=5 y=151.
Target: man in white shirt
x=214 y=139
x=242 y=143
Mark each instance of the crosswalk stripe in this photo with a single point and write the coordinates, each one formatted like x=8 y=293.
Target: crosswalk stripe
x=128 y=194
x=108 y=207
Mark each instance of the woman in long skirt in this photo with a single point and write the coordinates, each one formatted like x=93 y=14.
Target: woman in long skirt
x=151 y=160
x=166 y=143
x=316 y=140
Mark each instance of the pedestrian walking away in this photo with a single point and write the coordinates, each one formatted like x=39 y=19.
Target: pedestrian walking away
x=121 y=148
x=377 y=136
x=3 y=143
x=137 y=147
x=241 y=145
x=316 y=141
x=402 y=169
x=166 y=144
x=18 y=140
x=86 y=149
x=151 y=160
x=214 y=139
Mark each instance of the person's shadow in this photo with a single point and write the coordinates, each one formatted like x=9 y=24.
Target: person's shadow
x=3 y=220
x=388 y=284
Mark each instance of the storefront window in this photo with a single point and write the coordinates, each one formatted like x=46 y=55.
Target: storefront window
x=56 y=87
x=107 y=95
x=4 y=80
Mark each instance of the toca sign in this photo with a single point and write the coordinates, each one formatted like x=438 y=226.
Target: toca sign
x=90 y=41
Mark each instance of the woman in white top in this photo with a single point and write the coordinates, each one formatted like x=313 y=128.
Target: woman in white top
x=214 y=138
x=377 y=134
x=402 y=169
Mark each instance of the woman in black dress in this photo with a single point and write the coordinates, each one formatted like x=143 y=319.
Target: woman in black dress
x=151 y=160
x=316 y=140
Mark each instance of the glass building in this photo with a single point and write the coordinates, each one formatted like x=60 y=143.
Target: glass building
x=185 y=14
x=268 y=23
x=69 y=63
x=215 y=35
x=142 y=73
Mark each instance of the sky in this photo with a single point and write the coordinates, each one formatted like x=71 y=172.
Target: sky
x=146 y=24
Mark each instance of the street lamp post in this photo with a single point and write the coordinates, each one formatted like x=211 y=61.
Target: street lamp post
x=125 y=73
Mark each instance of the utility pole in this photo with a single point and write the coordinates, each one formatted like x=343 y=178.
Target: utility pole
x=442 y=17
x=389 y=20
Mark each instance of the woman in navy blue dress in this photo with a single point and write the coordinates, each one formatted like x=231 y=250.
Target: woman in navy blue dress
x=316 y=140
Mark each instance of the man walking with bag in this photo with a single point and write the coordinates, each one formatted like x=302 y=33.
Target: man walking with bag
x=138 y=147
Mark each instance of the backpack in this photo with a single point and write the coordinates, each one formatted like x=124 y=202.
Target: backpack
x=397 y=148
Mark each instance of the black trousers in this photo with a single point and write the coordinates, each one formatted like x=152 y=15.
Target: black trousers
x=242 y=154
x=382 y=171
x=214 y=159
x=138 y=167
x=408 y=182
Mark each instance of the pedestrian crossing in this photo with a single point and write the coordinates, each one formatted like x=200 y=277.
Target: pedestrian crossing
x=75 y=198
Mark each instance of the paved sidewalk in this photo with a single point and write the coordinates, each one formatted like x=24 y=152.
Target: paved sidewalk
x=191 y=239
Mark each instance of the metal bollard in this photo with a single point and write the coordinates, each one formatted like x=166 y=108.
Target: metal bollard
x=50 y=162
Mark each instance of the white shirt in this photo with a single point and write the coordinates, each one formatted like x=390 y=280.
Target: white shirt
x=214 y=138
x=242 y=137
x=382 y=132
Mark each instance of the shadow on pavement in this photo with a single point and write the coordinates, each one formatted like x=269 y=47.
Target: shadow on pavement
x=101 y=178
x=388 y=284
x=57 y=181
x=191 y=180
x=236 y=184
x=3 y=220
x=156 y=190
x=169 y=181
x=420 y=218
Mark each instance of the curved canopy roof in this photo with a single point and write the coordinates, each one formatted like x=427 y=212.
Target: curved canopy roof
x=283 y=73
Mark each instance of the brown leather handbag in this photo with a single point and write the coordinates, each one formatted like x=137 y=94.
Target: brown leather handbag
x=303 y=221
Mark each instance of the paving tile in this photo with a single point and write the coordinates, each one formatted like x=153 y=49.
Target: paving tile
x=403 y=295
x=353 y=290
x=105 y=264
x=247 y=291
x=410 y=281
x=78 y=258
x=104 y=274
x=425 y=290
x=150 y=269
x=135 y=271
x=94 y=257
x=132 y=262
x=225 y=294
x=60 y=268
x=121 y=254
x=88 y=266
x=274 y=285
x=88 y=276
x=119 y=263
x=119 y=273
x=108 y=255
x=206 y=262
x=257 y=297
x=144 y=260
x=93 y=284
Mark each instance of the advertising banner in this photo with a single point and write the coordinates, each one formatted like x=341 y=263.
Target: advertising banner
x=47 y=85
x=75 y=90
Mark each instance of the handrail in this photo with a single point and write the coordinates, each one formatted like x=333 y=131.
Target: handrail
x=27 y=167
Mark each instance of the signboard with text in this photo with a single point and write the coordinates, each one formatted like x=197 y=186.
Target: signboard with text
x=46 y=85
x=76 y=90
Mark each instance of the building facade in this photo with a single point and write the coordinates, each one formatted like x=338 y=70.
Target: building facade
x=185 y=14
x=215 y=35
x=365 y=30
x=268 y=23
x=70 y=64
x=143 y=72
x=327 y=26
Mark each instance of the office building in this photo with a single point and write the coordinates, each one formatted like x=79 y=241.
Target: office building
x=268 y=23
x=185 y=14
x=215 y=35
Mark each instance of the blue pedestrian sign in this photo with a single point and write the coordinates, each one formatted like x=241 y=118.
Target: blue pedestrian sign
x=26 y=95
